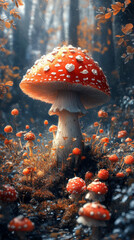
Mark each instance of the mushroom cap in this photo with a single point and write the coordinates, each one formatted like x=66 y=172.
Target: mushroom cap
x=103 y=174
x=122 y=134
x=95 y=211
x=97 y=187
x=102 y=114
x=120 y=175
x=29 y=136
x=8 y=194
x=113 y=158
x=76 y=151
x=15 y=112
x=8 y=129
x=76 y=185
x=66 y=68
x=53 y=128
x=129 y=159
x=21 y=224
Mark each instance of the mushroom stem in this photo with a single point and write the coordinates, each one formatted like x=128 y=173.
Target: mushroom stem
x=95 y=233
x=30 y=145
x=30 y=151
x=68 y=128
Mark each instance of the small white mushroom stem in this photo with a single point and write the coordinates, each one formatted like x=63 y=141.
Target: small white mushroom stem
x=95 y=197
x=68 y=107
x=30 y=145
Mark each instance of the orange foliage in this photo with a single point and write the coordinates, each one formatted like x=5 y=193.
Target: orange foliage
x=127 y=29
x=15 y=13
x=104 y=14
x=6 y=6
x=8 y=75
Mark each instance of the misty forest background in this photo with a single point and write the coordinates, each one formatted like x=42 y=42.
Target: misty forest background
x=104 y=28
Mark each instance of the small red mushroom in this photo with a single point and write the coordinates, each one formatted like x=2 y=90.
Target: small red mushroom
x=93 y=214
x=88 y=175
x=120 y=175
x=128 y=170
x=122 y=134
x=104 y=140
x=77 y=153
x=102 y=114
x=96 y=124
x=128 y=140
x=97 y=191
x=8 y=194
x=15 y=112
x=19 y=135
x=113 y=119
x=72 y=82
x=30 y=137
x=8 y=129
x=21 y=225
x=46 y=122
x=53 y=129
x=103 y=174
x=75 y=187
x=113 y=158
x=27 y=127
x=129 y=159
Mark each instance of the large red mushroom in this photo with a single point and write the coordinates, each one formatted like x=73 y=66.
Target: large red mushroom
x=72 y=82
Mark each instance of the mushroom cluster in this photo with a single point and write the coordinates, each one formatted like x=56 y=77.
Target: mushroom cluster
x=72 y=82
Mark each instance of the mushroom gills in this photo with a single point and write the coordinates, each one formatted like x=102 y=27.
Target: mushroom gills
x=67 y=100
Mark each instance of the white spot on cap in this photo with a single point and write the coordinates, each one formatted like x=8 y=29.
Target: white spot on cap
x=28 y=71
x=37 y=62
x=55 y=51
x=64 y=51
x=46 y=68
x=50 y=58
x=72 y=50
x=70 y=46
x=53 y=73
x=91 y=213
x=60 y=70
x=84 y=71
x=79 y=58
x=68 y=76
x=85 y=79
x=59 y=60
x=25 y=225
x=70 y=67
x=57 y=65
x=94 y=71
x=70 y=56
